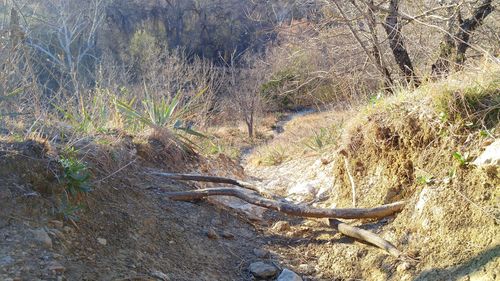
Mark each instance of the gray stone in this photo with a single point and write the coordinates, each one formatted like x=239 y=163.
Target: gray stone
x=160 y=275
x=261 y=253
x=288 y=275
x=227 y=235
x=41 y=236
x=262 y=270
x=490 y=156
x=102 y=241
x=56 y=267
x=212 y=234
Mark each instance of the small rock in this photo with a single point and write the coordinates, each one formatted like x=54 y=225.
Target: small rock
x=403 y=267
x=160 y=275
x=41 y=236
x=281 y=226
x=490 y=156
x=227 y=235
x=102 y=241
x=262 y=270
x=68 y=229
x=261 y=253
x=212 y=234
x=307 y=269
x=288 y=275
x=56 y=267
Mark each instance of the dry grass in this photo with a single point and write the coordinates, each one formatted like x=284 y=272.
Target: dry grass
x=306 y=135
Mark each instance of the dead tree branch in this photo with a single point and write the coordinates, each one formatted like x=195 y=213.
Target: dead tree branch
x=203 y=178
x=290 y=208
x=364 y=235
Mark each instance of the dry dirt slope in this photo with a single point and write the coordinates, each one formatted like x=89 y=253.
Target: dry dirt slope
x=125 y=231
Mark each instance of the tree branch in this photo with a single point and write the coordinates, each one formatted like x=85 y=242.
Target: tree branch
x=202 y=178
x=290 y=208
x=364 y=235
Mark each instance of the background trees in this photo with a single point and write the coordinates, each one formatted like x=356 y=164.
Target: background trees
x=250 y=56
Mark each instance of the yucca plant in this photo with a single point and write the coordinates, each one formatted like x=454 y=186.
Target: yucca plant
x=168 y=112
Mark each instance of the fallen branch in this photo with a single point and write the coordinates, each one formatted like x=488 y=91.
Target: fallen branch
x=289 y=208
x=364 y=235
x=202 y=178
x=294 y=209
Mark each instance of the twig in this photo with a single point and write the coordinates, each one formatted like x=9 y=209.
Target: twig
x=115 y=172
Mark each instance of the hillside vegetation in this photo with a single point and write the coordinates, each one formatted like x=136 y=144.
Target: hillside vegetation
x=417 y=146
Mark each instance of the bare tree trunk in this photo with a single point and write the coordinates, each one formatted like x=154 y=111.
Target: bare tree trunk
x=249 y=122
x=393 y=29
x=375 y=57
x=377 y=54
x=15 y=29
x=457 y=45
x=468 y=26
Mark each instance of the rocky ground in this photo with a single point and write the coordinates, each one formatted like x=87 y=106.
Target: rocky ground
x=126 y=230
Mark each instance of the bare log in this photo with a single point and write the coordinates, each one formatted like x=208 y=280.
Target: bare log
x=364 y=235
x=203 y=178
x=289 y=208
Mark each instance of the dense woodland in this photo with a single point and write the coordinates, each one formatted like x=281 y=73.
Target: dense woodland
x=247 y=57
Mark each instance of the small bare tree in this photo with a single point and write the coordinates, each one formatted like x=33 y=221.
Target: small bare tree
x=65 y=34
x=243 y=88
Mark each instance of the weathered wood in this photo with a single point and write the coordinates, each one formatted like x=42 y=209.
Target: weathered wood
x=364 y=235
x=203 y=178
x=289 y=208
